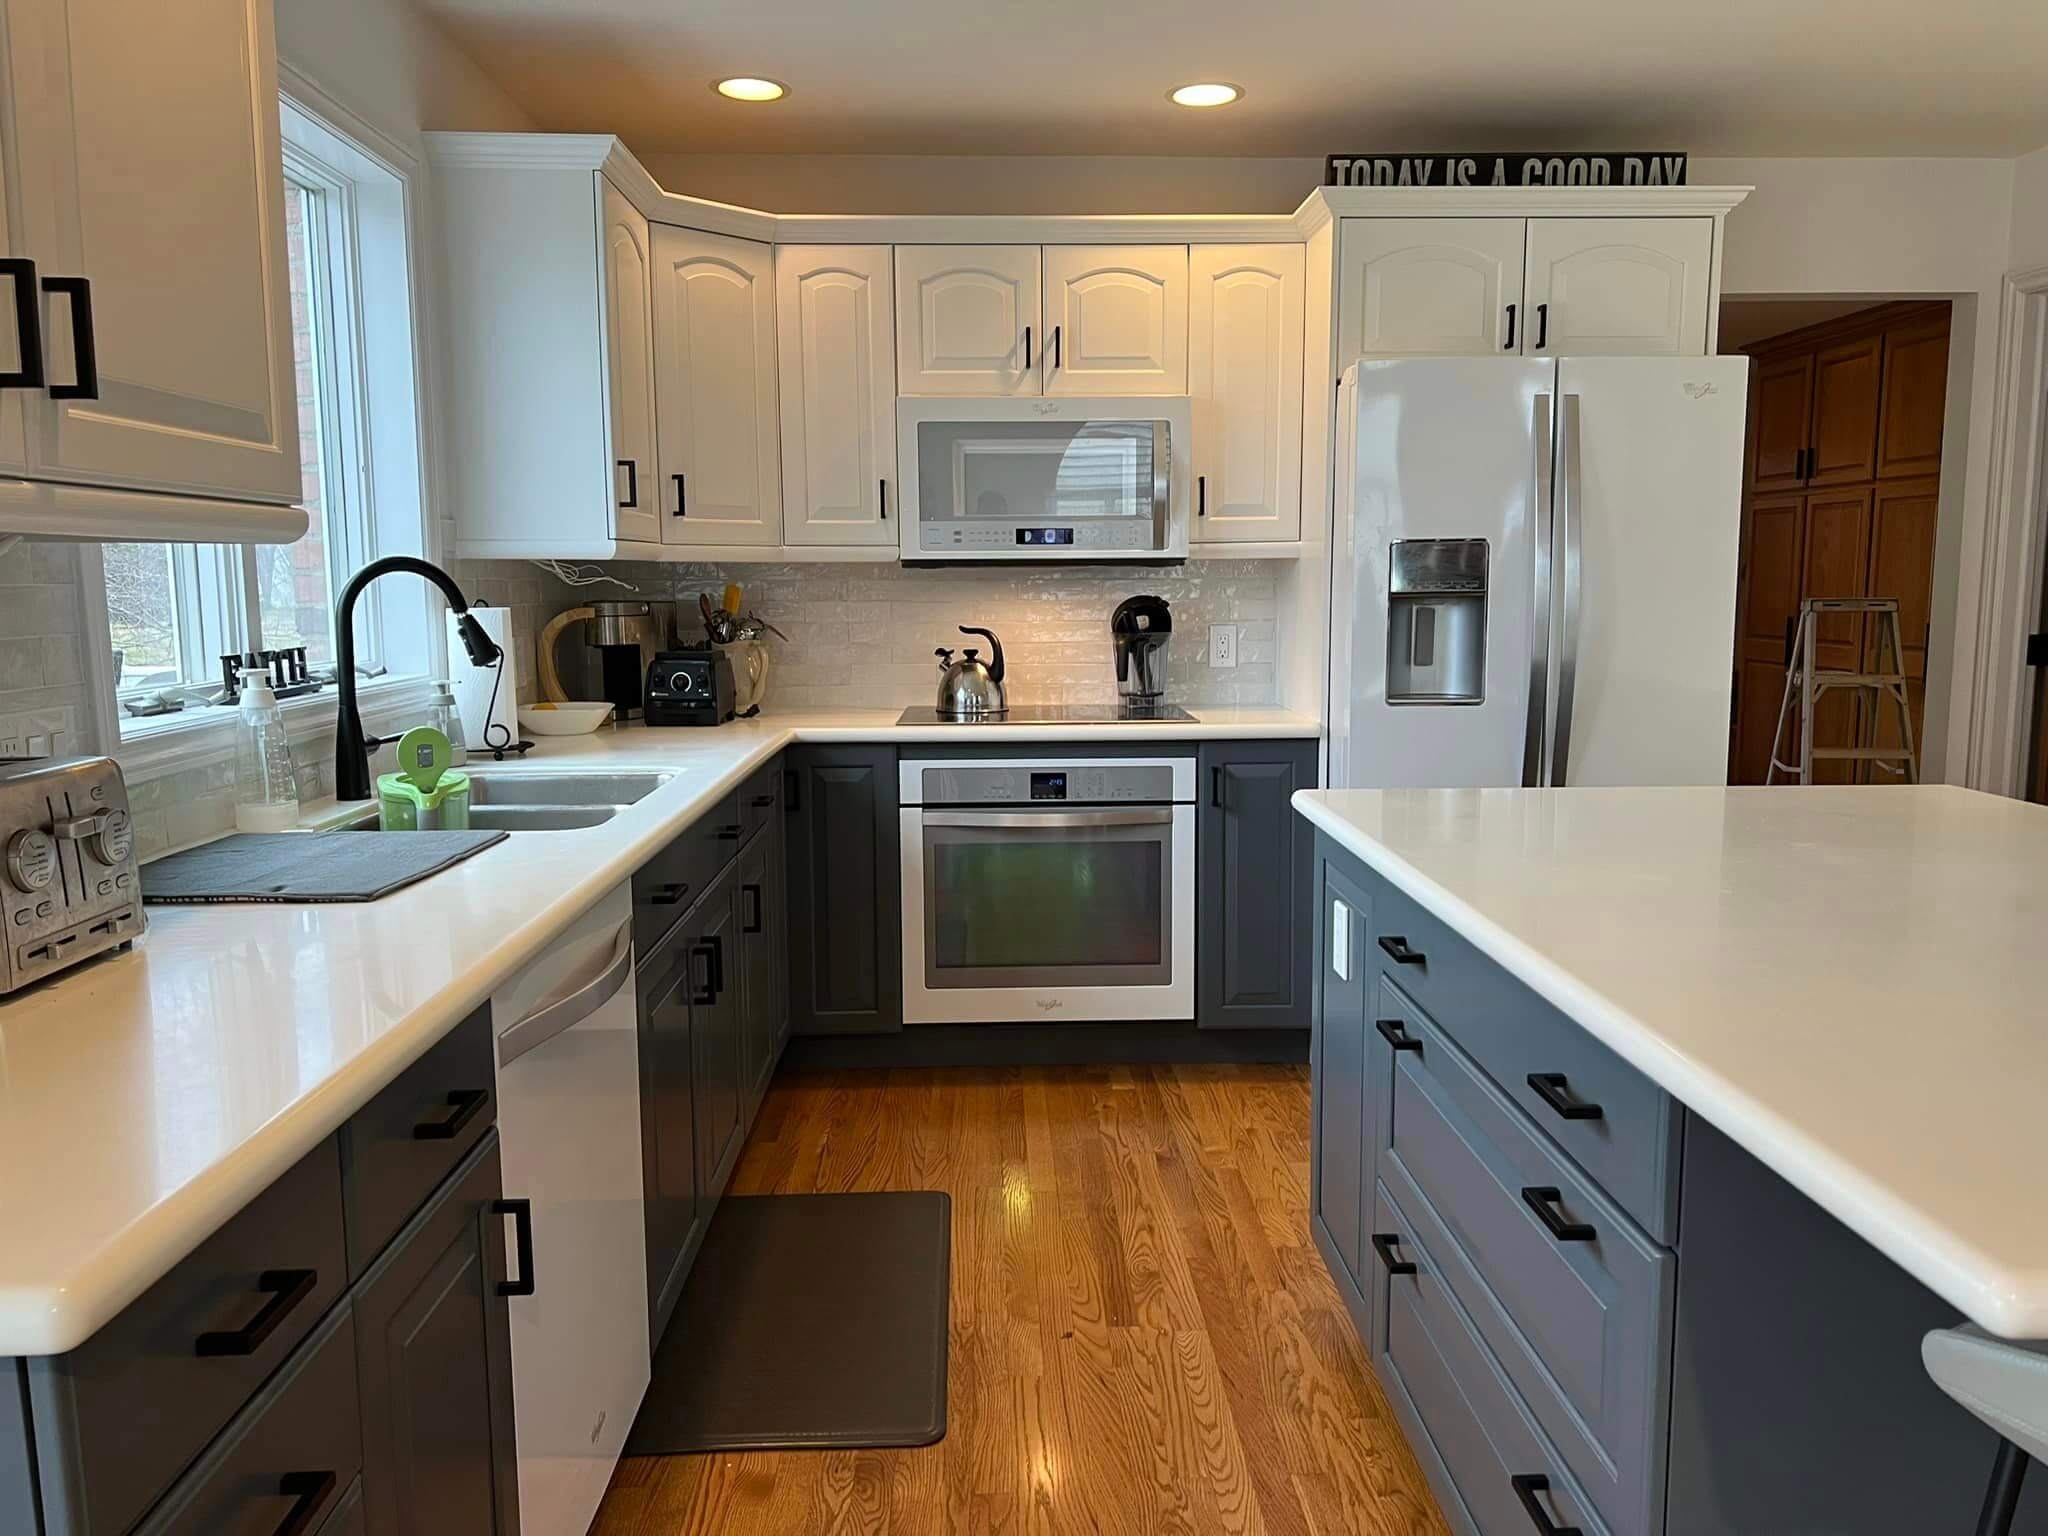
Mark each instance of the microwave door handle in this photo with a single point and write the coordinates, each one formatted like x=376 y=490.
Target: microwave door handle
x=1162 y=483
x=1543 y=491
x=1571 y=518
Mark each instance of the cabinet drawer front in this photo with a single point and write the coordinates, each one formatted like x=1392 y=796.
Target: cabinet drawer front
x=1630 y=1147
x=137 y=1401
x=1467 y=1418
x=670 y=883
x=297 y=1447
x=760 y=799
x=1578 y=1317
x=398 y=1148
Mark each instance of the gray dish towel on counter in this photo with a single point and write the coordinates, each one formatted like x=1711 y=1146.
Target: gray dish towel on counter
x=305 y=866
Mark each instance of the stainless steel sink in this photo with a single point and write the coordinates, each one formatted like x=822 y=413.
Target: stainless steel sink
x=539 y=818
x=528 y=800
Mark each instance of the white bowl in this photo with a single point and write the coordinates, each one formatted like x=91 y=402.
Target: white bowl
x=563 y=719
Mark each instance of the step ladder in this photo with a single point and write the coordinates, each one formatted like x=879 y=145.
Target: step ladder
x=1806 y=681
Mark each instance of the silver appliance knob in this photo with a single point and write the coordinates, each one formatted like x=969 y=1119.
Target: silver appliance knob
x=114 y=840
x=32 y=860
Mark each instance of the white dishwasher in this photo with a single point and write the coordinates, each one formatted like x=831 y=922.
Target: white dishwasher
x=569 y=1119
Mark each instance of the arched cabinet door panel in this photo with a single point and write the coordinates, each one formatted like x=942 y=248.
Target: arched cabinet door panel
x=629 y=357
x=1618 y=287
x=968 y=320
x=1118 y=319
x=1431 y=288
x=836 y=316
x=1245 y=332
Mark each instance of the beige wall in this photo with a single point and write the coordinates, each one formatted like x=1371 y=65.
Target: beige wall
x=391 y=67
x=2030 y=210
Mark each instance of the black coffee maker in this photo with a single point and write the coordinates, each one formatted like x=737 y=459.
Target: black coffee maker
x=1139 y=631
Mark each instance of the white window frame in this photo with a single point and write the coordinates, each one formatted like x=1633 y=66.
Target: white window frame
x=368 y=276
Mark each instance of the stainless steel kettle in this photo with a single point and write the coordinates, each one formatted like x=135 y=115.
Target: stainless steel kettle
x=968 y=688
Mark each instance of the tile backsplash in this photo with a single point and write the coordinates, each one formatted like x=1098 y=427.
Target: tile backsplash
x=862 y=636
x=42 y=662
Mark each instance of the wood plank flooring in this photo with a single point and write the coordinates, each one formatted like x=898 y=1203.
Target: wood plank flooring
x=1144 y=1338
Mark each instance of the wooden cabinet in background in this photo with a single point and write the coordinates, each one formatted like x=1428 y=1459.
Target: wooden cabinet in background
x=1780 y=398
x=1842 y=440
x=1915 y=384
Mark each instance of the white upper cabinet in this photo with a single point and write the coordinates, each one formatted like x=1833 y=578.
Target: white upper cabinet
x=968 y=320
x=18 y=314
x=1616 y=287
x=836 y=346
x=1118 y=319
x=714 y=389
x=148 y=185
x=1245 y=338
x=1429 y=288
x=629 y=358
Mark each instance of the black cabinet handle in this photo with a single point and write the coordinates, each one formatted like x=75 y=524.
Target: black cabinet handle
x=307 y=1491
x=1027 y=349
x=285 y=1288
x=789 y=788
x=1201 y=495
x=1509 y=344
x=882 y=498
x=762 y=802
x=1398 y=950
x=28 y=325
x=463 y=1105
x=1399 y=1038
x=1056 y=347
x=752 y=924
x=729 y=833
x=1543 y=1200
x=668 y=895
x=709 y=994
x=1216 y=786
x=1527 y=1485
x=682 y=501
x=84 y=349
x=632 y=470
x=1549 y=1087
x=521 y=1212
x=1542 y=326
x=717 y=964
x=1384 y=1244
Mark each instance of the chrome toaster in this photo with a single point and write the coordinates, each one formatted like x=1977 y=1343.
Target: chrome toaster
x=69 y=885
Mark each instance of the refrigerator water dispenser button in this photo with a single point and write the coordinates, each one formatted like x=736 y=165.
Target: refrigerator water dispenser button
x=1436 y=622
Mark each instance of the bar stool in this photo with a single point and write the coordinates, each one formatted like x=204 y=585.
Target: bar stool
x=2006 y=1385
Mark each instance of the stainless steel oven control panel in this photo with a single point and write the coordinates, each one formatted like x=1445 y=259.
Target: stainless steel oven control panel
x=69 y=882
x=1047 y=784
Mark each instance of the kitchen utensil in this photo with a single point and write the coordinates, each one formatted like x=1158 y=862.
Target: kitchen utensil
x=428 y=793
x=1140 y=630
x=563 y=718
x=732 y=598
x=969 y=688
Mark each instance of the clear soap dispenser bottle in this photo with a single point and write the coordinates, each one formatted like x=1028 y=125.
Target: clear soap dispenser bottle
x=266 y=790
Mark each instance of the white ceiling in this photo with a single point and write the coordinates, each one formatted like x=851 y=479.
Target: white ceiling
x=1737 y=77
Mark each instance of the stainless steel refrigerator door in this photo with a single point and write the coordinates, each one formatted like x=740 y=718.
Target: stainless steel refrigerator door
x=1648 y=514
x=1439 y=448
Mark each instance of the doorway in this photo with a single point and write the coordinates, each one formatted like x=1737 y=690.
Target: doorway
x=1841 y=492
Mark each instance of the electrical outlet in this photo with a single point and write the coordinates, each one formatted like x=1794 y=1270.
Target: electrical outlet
x=1222 y=645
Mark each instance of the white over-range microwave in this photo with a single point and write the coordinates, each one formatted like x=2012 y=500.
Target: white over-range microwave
x=1102 y=479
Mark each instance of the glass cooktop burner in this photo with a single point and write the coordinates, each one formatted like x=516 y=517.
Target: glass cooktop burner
x=1054 y=714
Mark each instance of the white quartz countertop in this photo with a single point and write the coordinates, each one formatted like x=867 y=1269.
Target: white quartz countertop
x=146 y=1097
x=1851 y=983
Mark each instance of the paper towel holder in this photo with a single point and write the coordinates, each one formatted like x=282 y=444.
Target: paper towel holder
x=487 y=692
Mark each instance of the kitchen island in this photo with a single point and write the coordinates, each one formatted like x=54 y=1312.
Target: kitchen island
x=1655 y=1125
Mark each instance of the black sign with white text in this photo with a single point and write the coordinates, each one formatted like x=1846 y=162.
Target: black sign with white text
x=1640 y=168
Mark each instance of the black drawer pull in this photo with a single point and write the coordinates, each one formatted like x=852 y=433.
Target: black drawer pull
x=1509 y=344
x=84 y=340
x=1542 y=326
x=709 y=995
x=308 y=1491
x=1549 y=1087
x=682 y=497
x=1384 y=1244
x=1399 y=1038
x=521 y=1212
x=28 y=325
x=463 y=1105
x=789 y=783
x=1216 y=787
x=762 y=802
x=668 y=895
x=752 y=924
x=1397 y=948
x=286 y=1288
x=1543 y=1200
x=632 y=469
x=729 y=834
x=1527 y=1485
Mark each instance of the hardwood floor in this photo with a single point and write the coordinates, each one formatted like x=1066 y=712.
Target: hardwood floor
x=1144 y=1338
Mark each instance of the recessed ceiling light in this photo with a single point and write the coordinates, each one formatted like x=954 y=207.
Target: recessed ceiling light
x=1213 y=93
x=751 y=88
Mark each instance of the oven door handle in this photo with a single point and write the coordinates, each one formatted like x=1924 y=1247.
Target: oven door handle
x=1032 y=821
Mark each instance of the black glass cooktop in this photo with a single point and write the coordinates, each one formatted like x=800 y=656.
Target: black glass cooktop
x=1055 y=714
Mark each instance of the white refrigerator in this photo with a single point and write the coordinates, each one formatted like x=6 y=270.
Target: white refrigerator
x=1533 y=571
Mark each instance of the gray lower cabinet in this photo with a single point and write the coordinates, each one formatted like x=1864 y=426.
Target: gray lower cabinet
x=1343 y=1135
x=1255 y=863
x=433 y=1350
x=348 y=1518
x=712 y=969
x=763 y=943
x=845 y=891
x=668 y=1127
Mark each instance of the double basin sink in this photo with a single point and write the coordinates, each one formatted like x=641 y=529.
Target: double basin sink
x=546 y=800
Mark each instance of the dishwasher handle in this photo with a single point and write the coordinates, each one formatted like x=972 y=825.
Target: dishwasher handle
x=543 y=1024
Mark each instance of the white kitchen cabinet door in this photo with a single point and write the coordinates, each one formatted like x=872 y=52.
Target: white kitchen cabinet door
x=1245 y=377
x=836 y=345
x=967 y=320
x=1618 y=287
x=1119 y=319
x=15 y=293
x=714 y=389
x=146 y=163
x=629 y=358
x=1429 y=288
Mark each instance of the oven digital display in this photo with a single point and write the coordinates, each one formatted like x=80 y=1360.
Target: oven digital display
x=1048 y=786
x=1045 y=535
